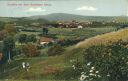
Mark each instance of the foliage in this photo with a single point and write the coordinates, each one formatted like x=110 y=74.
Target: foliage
x=10 y=29
x=17 y=50
x=2 y=24
x=22 y=38
x=45 y=31
x=2 y=35
x=110 y=61
x=31 y=38
x=55 y=50
x=30 y=50
x=8 y=46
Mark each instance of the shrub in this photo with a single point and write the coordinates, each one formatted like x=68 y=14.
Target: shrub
x=55 y=50
x=22 y=38
x=111 y=61
x=31 y=38
x=2 y=35
x=30 y=50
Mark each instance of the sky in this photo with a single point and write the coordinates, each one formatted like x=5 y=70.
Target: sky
x=80 y=7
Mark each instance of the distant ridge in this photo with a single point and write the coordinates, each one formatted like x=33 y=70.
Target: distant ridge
x=68 y=17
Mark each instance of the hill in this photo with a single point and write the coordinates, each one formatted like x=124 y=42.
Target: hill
x=66 y=17
x=105 y=39
x=69 y=17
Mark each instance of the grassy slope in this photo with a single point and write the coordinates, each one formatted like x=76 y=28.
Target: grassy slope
x=105 y=39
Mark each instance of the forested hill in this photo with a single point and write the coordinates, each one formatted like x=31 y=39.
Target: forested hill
x=68 y=17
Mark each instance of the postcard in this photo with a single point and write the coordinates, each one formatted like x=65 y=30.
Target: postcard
x=63 y=40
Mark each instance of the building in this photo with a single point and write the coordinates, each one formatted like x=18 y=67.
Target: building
x=80 y=27
x=46 y=40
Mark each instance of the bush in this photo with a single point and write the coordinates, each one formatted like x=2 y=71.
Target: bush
x=22 y=38
x=31 y=38
x=2 y=35
x=110 y=61
x=55 y=50
x=30 y=50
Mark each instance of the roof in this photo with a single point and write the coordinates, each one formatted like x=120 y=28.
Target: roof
x=46 y=39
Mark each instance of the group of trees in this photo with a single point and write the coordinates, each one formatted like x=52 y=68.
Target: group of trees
x=7 y=34
x=44 y=31
x=2 y=24
x=8 y=47
x=24 y=38
x=30 y=50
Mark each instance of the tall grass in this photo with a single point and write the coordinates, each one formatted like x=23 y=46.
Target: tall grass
x=104 y=39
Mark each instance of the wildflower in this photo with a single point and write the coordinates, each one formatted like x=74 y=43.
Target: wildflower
x=83 y=77
x=108 y=75
x=82 y=72
x=99 y=76
x=74 y=67
x=97 y=71
x=88 y=64
x=71 y=61
x=91 y=79
x=92 y=68
x=91 y=74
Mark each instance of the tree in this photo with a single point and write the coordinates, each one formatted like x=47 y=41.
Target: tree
x=22 y=38
x=31 y=38
x=2 y=24
x=10 y=29
x=45 y=31
x=30 y=50
x=8 y=47
x=2 y=35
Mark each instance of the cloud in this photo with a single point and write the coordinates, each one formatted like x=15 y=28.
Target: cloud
x=87 y=8
x=35 y=10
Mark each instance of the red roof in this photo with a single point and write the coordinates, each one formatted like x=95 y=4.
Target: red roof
x=46 y=39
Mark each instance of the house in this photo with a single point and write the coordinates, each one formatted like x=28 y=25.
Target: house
x=46 y=40
x=80 y=27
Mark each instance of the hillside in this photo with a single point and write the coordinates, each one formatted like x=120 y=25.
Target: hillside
x=105 y=39
x=49 y=68
x=69 y=17
x=66 y=17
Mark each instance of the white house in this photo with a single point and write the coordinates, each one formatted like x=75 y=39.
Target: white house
x=45 y=40
x=80 y=27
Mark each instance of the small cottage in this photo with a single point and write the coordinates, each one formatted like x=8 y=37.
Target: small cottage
x=46 y=40
x=80 y=27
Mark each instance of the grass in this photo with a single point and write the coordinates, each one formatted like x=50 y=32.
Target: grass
x=105 y=39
